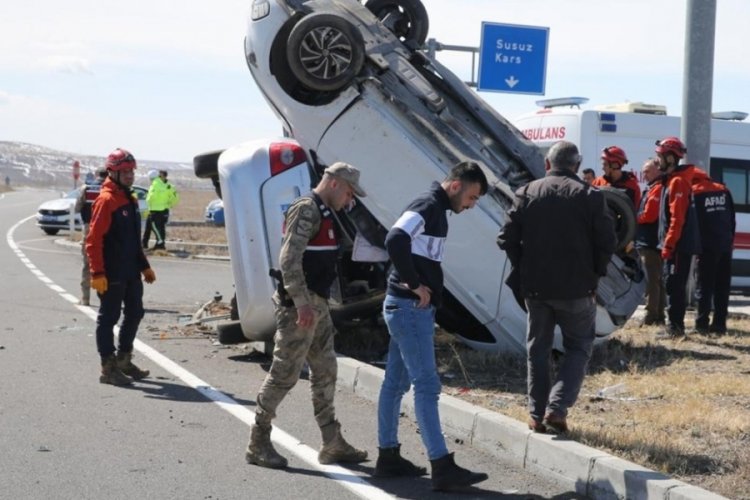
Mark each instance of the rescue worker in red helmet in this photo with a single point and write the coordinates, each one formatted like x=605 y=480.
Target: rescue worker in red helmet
x=117 y=261
x=679 y=239
x=613 y=159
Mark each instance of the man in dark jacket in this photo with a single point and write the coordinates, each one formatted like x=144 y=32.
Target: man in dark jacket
x=678 y=231
x=561 y=237
x=714 y=208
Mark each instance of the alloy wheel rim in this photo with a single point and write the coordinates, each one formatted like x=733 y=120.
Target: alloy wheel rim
x=326 y=52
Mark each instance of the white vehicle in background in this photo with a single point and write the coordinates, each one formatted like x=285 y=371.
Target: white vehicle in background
x=54 y=215
x=636 y=127
x=348 y=83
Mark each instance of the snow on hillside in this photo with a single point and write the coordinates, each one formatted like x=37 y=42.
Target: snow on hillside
x=31 y=165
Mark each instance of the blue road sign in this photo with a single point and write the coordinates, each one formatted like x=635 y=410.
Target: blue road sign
x=513 y=58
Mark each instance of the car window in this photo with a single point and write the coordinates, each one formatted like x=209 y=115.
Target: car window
x=73 y=194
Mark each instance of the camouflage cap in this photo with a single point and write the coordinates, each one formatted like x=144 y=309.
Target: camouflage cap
x=348 y=173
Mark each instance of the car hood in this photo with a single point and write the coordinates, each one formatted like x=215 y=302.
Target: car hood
x=59 y=204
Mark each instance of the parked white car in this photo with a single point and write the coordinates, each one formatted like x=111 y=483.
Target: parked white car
x=350 y=86
x=54 y=215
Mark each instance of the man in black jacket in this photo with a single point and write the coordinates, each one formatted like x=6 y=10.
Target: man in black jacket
x=559 y=238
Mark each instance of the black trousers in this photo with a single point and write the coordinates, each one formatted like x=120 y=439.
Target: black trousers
x=156 y=222
x=675 y=275
x=714 y=281
x=124 y=297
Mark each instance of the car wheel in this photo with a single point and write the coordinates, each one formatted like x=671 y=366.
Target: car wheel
x=407 y=19
x=230 y=333
x=622 y=211
x=206 y=165
x=49 y=231
x=325 y=52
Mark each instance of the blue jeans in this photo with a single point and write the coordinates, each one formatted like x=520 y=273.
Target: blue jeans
x=411 y=361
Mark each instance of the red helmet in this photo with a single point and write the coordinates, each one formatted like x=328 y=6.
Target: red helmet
x=120 y=159
x=671 y=145
x=613 y=154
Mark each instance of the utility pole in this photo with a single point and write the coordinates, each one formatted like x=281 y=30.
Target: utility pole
x=698 y=78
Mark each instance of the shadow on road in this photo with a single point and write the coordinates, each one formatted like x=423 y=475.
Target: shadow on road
x=159 y=388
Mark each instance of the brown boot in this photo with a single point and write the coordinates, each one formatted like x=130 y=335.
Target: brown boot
x=260 y=450
x=336 y=449
x=111 y=374
x=126 y=366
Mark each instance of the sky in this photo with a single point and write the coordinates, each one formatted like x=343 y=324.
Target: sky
x=167 y=80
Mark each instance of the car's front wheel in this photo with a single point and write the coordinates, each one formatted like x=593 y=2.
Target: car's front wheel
x=50 y=231
x=407 y=19
x=325 y=52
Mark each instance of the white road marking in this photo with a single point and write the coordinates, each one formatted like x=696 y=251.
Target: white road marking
x=287 y=441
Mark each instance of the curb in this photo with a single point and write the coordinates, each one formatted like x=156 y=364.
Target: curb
x=586 y=470
x=224 y=258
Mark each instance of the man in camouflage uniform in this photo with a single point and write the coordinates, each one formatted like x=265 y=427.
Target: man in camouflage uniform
x=304 y=326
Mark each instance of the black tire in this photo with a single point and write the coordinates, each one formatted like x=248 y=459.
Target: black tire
x=234 y=313
x=622 y=211
x=325 y=52
x=49 y=231
x=231 y=333
x=406 y=19
x=206 y=165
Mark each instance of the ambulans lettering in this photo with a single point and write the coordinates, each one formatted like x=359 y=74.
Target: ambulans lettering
x=544 y=133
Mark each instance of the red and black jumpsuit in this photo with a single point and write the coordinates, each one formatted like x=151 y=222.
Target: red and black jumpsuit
x=114 y=250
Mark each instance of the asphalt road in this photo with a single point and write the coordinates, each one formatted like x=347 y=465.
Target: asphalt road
x=181 y=433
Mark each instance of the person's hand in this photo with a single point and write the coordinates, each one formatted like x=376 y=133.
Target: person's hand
x=425 y=295
x=149 y=276
x=305 y=316
x=99 y=283
x=666 y=253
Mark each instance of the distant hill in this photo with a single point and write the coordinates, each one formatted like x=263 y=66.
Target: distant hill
x=32 y=165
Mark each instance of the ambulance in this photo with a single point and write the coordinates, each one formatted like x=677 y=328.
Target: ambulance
x=635 y=127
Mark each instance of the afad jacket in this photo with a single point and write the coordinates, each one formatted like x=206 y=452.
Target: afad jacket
x=627 y=182
x=678 y=223
x=113 y=245
x=715 y=210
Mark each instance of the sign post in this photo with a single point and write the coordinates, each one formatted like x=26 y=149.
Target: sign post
x=513 y=58
x=76 y=173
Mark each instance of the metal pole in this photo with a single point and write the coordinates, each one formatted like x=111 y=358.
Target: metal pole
x=697 y=90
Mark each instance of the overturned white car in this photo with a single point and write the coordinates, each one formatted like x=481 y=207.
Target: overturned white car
x=348 y=83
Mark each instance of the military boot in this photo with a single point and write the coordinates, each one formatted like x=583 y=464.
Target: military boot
x=260 y=450
x=447 y=476
x=391 y=464
x=336 y=449
x=126 y=366
x=111 y=374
